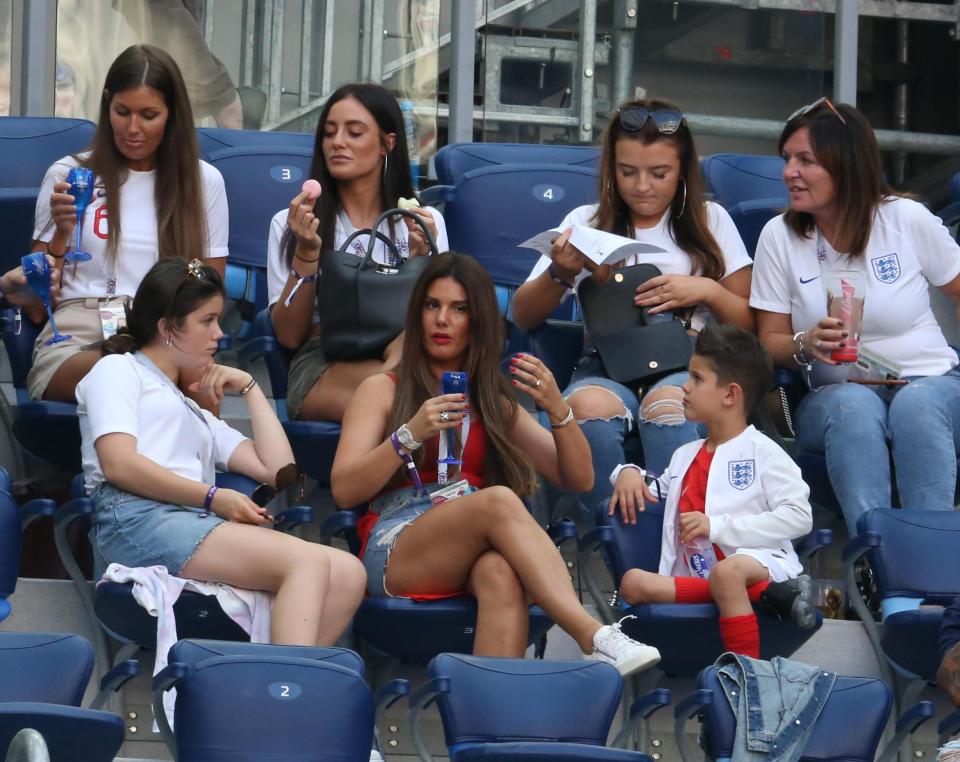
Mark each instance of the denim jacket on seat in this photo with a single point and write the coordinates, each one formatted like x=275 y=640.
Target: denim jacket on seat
x=776 y=704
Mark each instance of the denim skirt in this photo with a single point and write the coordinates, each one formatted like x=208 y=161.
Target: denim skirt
x=136 y=531
x=397 y=509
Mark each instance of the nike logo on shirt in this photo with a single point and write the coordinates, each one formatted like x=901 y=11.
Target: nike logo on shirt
x=804 y=282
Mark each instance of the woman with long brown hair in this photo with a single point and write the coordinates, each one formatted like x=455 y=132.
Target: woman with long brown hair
x=844 y=219
x=418 y=544
x=153 y=198
x=651 y=191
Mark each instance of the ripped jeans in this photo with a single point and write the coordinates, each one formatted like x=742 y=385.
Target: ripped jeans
x=659 y=439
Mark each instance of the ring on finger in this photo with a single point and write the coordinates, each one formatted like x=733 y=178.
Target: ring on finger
x=819 y=345
x=537 y=383
x=444 y=416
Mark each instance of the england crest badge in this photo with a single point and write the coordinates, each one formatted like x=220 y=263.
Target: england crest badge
x=741 y=473
x=886 y=268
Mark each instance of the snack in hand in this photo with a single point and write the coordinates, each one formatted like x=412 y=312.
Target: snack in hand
x=312 y=188
x=407 y=203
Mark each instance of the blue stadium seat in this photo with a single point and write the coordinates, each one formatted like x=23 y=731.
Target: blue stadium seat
x=9 y=544
x=749 y=187
x=314 y=443
x=28 y=146
x=453 y=161
x=295 y=702
x=112 y=606
x=213 y=139
x=854 y=702
x=489 y=211
x=514 y=710
x=912 y=554
x=413 y=633
x=687 y=634
x=49 y=431
x=44 y=679
x=260 y=181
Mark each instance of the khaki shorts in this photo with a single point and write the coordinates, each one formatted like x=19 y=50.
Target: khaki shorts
x=306 y=367
x=78 y=318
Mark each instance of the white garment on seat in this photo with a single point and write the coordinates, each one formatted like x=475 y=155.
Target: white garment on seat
x=157 y=590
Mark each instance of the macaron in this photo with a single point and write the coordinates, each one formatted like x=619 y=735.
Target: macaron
x=312 y=188
x=407 y=203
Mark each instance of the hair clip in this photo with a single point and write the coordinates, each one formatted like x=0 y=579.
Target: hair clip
x=195 y=268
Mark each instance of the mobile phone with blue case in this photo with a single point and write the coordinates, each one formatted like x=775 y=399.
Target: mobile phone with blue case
x=452 y=382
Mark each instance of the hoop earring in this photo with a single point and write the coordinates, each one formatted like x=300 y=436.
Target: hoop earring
x=683 y=205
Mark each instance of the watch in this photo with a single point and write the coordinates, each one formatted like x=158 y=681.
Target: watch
x=406 y=439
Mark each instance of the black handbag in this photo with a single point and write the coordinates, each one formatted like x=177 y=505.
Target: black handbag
x=634 y=347
x=363 y=304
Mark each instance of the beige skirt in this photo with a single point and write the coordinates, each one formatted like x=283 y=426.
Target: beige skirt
x=78 y=318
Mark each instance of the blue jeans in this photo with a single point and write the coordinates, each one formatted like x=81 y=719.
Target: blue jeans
x=606 y=435
x=852 y=424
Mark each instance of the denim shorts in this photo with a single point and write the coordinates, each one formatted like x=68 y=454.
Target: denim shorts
x=397 y=509
x=136 y=531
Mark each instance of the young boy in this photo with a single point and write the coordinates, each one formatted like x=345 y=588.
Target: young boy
x=735 y=489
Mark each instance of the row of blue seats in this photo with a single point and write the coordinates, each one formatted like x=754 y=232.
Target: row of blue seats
x=310 y=703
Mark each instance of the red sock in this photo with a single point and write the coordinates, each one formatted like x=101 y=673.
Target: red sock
x=756 y=589
x=741 y=634
x=692 y=590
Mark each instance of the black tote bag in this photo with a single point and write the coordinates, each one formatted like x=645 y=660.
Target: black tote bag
x=363 y=304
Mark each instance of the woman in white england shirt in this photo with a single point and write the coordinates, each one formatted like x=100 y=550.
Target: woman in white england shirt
x=360 y=161
x=153 y=198
x=842 y=215
x=651 y=191
x=150 y=455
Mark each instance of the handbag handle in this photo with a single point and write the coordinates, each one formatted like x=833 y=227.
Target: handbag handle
x=368 y=257
x=357 y=233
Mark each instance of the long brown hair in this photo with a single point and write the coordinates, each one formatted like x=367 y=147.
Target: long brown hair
x=396 y=181
x=849 y=153
x=178 y=193
x=491 y=398
x=689 y=224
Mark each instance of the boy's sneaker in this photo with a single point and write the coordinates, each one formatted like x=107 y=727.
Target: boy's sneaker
x=791 y=600
x=623 y=652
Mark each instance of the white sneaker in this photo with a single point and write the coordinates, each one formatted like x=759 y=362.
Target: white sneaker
x=375 y=756
x=623 y=652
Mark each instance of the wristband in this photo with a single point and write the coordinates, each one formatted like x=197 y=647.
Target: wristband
x=565 y=421
x=555 y=277
x=301 y=279
x=408 y=462
x=208 y=500
x=248 y=387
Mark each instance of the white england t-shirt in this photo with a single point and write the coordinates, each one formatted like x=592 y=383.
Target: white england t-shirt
x=120 y=395
x=909 y=248
x=673 y=260
x=138 y=248
x=278 y=271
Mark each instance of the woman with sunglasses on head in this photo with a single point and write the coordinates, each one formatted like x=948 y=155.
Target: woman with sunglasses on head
x=843 y=216
x=360 y=168
x=150 y=454
x=651 y=191
x=417 y=545
x=152 y=198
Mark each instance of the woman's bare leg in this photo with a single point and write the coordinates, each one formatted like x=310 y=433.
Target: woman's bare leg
x=316 y=591
x=438 y=551
x=63 y=384
x=503 y=616
x=328 y=398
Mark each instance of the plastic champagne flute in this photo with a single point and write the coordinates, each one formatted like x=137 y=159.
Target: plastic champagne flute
x=38 y=272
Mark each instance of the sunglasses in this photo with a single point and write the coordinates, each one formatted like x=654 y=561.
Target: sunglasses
x=635 y=118
x=811 y=107
x=285 y=479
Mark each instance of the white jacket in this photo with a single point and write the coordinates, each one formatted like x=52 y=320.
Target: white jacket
x=756 y=501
